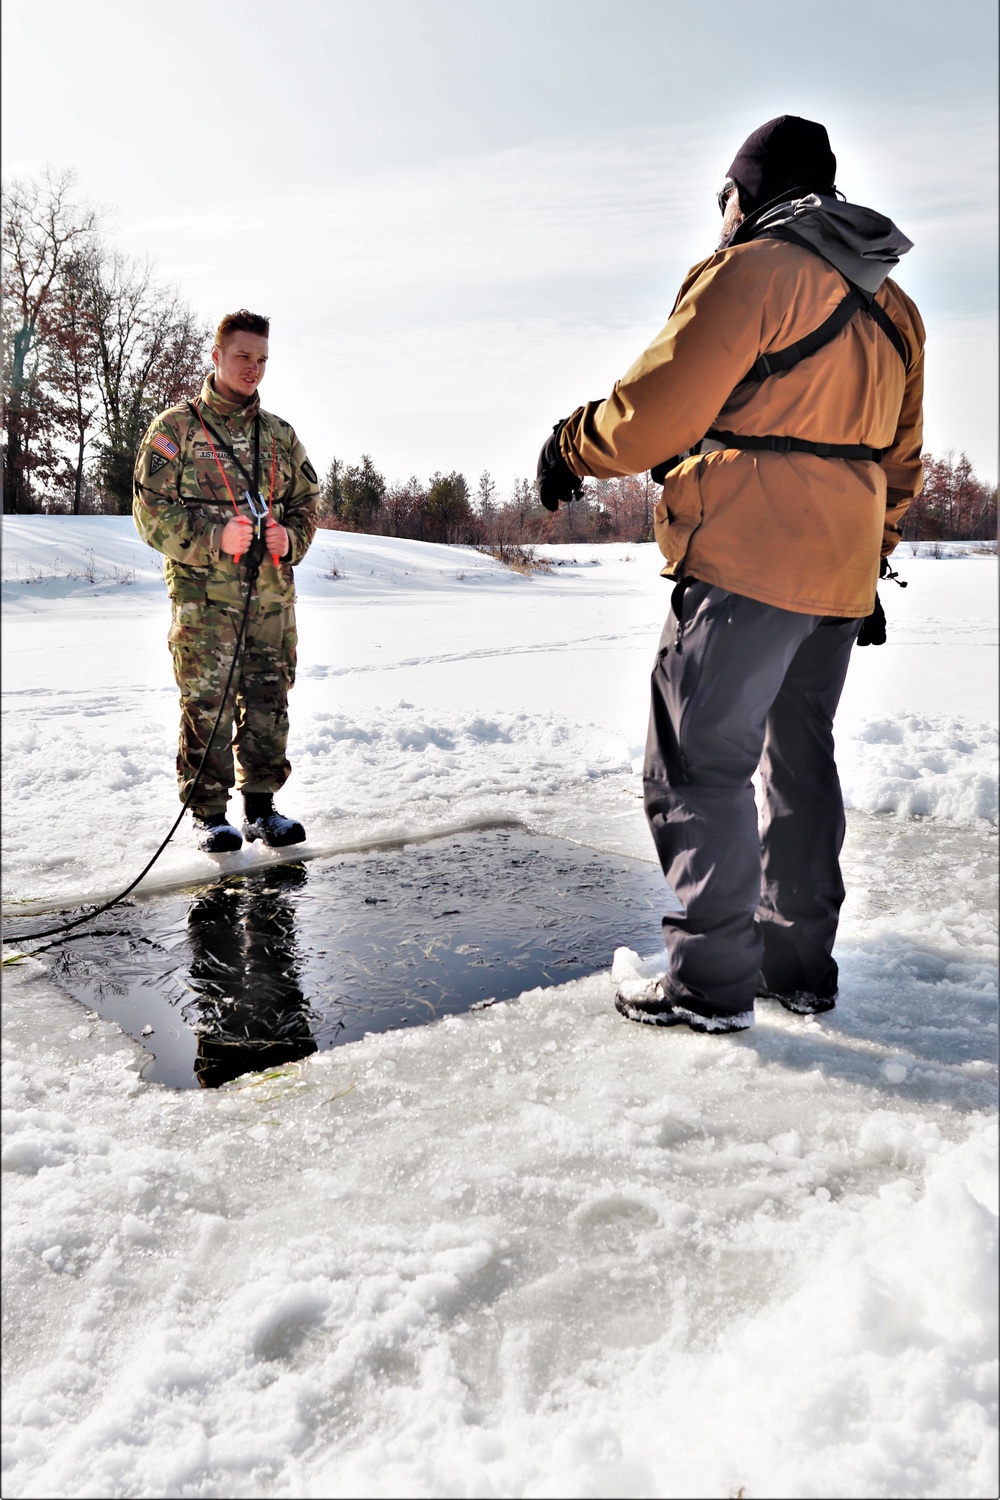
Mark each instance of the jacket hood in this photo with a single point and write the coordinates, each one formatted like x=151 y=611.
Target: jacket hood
x=863 y=245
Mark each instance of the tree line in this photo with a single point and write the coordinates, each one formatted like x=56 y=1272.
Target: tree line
x=94 y=345
x=955 y=505
x=357 y=497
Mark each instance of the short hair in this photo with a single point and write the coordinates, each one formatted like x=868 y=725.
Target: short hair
x=242 y=321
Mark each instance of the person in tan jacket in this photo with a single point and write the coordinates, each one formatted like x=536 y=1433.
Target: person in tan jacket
x=781 y=406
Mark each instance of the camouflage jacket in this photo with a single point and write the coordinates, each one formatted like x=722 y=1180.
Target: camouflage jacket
x=181 y=501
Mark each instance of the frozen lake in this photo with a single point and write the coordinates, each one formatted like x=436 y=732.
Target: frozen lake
x=527 y=1249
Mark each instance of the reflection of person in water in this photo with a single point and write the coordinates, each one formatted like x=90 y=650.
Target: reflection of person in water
x=248 y=1012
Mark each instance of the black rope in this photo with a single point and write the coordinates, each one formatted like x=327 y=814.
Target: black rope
x=253 y=565
x=231 y=452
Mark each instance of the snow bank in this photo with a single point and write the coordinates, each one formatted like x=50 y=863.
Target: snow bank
x=943 y=550
x=77 y=557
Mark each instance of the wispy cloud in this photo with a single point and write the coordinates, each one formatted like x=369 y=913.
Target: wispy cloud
x=466 y=221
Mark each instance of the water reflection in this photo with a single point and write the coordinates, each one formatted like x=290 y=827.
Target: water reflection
x=270 y=965
x=249 y=1011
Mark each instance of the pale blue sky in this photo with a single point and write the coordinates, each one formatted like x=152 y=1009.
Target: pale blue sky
x=464 y=217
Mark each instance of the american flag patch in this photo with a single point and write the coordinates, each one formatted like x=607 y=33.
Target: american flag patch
x=165 y=446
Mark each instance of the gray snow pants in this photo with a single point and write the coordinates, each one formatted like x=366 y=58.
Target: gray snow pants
x=739 y=684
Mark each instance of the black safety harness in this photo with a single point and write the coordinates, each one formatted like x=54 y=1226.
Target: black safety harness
x=857 y=300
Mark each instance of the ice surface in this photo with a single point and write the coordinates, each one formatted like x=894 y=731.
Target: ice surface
x=530 y=1250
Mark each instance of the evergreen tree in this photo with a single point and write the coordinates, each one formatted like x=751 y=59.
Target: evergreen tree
x=447 y=509
x=363 y=492
x=486 y=495
x=331 y=494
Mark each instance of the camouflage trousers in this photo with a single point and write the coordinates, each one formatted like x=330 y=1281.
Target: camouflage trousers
x=255 y=722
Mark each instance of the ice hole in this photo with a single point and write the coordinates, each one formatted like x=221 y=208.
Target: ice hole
x=257 y=970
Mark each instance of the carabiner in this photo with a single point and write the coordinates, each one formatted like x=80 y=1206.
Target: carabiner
x=259 y=511
x=259 y=516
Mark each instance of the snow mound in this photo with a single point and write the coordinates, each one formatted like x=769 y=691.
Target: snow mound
x=921 y=766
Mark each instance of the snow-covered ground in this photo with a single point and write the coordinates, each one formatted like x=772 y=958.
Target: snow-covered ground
x=532 y=1250
x=434 y=687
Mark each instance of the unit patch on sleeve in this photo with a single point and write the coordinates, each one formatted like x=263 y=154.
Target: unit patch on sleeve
x=309 y=472
x=156 y=463
x=163 y=445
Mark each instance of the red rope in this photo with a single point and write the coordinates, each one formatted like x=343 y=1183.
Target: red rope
x=218 y=465
x=270 y=498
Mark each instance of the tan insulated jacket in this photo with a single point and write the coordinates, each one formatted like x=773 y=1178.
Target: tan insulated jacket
x=182 y=502
x=794 y=530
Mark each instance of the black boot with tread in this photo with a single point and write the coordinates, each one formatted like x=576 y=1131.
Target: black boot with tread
x=215 y=834
x=263 y=821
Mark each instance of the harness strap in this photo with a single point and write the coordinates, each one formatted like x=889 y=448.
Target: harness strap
x=255 y=491
x=786 y=359
x=871 y=307
x=254 y=495
x=211 y=445
x=889 y=328
x=777 y=444
x=216 y=442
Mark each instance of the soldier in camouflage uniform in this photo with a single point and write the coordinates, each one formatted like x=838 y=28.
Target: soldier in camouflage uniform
x=190 y=504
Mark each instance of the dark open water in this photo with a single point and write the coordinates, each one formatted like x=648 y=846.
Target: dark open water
x=256 y=970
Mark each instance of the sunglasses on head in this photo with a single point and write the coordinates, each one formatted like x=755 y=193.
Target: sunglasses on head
x=724 y=194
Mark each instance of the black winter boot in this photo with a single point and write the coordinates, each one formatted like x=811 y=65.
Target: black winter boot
x=648 y=1002
x=263 y=821
x=215 y=833
x=799 y=1002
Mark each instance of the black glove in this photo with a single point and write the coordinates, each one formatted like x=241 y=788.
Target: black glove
x=873 y=626
x=556 y=480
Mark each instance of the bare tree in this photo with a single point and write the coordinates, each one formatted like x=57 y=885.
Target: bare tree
x=624 y=508
x=149 y=352
x=523 y=499
x=651 y=492
x=954 y=505
x=403 y=509
x=74 y=351
x=43 y=228
x=92 y=348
